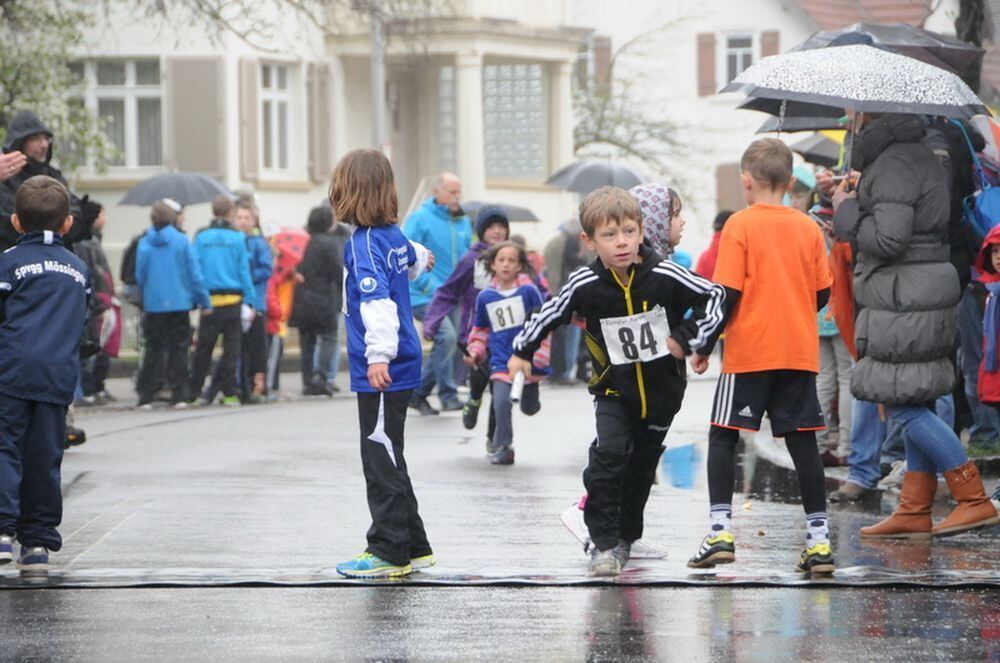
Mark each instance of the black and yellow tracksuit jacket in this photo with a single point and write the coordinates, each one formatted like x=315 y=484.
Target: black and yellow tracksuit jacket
x=655 y=388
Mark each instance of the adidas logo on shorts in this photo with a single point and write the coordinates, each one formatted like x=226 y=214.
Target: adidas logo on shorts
x=746 y=412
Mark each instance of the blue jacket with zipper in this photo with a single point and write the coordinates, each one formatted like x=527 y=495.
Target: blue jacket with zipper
x=447 y=237
x=261 y=266
x=225 y=262
x=168 y=273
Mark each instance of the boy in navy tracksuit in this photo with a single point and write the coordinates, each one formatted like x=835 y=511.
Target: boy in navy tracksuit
x=225 y=267
x=43 y=304
x=384 y=352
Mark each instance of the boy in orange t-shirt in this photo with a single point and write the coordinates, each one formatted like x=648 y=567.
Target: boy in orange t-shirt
x=773 y=264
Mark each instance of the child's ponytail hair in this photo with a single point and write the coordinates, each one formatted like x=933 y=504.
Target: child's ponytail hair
x=490 y=254
x=363 y=189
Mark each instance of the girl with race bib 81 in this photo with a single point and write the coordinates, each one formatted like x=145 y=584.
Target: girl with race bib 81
x=501 y=310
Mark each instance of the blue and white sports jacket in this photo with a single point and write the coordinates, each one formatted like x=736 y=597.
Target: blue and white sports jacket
x=378 y=266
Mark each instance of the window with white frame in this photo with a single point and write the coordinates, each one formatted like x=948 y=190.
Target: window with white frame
x=447 y=120
x=275 y=117
x=515 y=121
x=127 y=96
x=739 y=54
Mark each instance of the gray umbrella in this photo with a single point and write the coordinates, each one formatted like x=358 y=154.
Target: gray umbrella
x=791 y=125
x=818 y=149
x=185 y=188
x=514 y=213
x=949 y=53
x=587 y=175
x=859 y=78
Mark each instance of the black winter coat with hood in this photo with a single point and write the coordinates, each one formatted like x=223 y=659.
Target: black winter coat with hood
x=23 y=125
x=905 y=287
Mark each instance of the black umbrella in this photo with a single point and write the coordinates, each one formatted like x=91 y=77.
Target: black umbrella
x=818 y=149
x=514 y=213
x=587 y=175
x=949 y=53
x=185 y=188
x=793 y=125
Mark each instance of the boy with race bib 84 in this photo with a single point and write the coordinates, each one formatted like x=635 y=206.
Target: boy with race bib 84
x=637 y=336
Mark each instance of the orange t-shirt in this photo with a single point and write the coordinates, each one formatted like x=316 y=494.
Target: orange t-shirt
x=776 y=257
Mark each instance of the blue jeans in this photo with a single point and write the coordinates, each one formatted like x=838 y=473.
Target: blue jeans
x=970 y=336
x=439 y=368
x=571 y=348
x=867 y=434
x=931 y=444
x=894 y=447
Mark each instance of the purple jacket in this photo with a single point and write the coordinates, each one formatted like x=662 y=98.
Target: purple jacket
x=464 y=285
x=460 y=287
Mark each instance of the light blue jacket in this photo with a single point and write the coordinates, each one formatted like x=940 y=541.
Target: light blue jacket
x=225 y=262
x=261 y=266
x=447 y=238
x=168 y=273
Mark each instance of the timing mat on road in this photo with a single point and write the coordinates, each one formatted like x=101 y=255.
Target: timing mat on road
x=854 y=576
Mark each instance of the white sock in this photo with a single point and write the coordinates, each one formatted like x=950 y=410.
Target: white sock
x=817 y=529
x=721 y=516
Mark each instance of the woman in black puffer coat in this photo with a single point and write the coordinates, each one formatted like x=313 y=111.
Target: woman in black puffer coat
x=906 y=292
x=317 y=300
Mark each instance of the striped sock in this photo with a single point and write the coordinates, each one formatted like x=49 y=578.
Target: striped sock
x=721 y=516
x=817 y=529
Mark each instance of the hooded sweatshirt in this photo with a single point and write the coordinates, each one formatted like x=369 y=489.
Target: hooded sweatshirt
x=24 y=125
x=168 y=272
x=225 y=264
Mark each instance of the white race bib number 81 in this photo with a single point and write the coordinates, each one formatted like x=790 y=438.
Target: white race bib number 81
x=506 y=313
x=637 y=338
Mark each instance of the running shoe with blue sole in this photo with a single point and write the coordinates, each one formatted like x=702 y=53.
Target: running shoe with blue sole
x=367 y=565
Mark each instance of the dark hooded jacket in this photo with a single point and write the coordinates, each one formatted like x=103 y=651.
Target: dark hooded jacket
x=23 y=125
x=904 y=285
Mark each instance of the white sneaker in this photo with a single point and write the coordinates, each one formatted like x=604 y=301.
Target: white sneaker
x=894 y=479
x=642 y=550
x=6 y=549
x=604 y=564
x=572 y=519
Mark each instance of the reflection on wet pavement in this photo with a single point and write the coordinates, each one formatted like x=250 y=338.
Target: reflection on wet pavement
x=594 y=624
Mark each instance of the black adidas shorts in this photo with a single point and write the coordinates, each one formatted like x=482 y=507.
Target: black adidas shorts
x=788 y=397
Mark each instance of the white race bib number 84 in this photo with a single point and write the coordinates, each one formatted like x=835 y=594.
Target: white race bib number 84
x=637 y=338
x=506 y=313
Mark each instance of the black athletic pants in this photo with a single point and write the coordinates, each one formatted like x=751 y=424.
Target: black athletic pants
x=167 y=338
x=397 y=532
x=224 y=321
x=620 y=472
x=805 y=455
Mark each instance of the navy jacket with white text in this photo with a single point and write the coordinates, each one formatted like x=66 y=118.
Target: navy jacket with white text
x=43 y=306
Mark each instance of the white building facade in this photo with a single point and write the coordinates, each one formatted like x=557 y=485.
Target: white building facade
x=483 y=91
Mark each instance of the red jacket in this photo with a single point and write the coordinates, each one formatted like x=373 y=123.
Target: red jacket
x=706 y=261
x=989 y=382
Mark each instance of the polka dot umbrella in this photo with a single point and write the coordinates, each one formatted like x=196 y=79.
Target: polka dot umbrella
x=860 y=78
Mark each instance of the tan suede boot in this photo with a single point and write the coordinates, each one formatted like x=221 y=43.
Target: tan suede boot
x=974 y=508
x=912 y=519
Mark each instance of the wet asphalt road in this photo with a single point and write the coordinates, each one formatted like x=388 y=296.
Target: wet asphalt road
x=213 y=533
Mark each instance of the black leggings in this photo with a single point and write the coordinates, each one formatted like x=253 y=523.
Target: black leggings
x=805 y=455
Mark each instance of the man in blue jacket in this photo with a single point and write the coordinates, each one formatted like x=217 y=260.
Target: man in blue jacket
x=441 y=226
x=225 y=266
x=169 y=277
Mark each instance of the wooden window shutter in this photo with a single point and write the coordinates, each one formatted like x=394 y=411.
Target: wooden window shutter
x=769 y=43
x=728 y=192
x=249 y=122
x=706 y=64
x=196 y=115
x=320 y=152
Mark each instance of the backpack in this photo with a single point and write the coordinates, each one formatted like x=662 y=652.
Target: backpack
x=982 y=207
x=130 y=288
